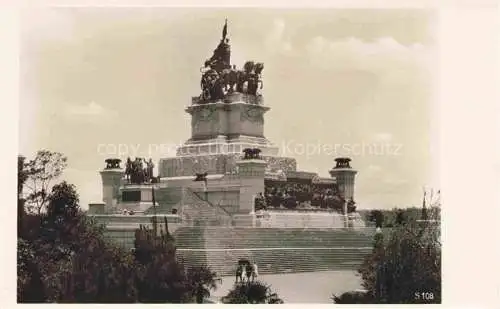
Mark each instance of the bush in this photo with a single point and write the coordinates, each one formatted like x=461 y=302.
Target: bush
x=401 y=268
x=255 y=292
x=63 y=255
x=355 y=297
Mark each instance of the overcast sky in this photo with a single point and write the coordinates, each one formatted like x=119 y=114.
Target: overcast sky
x=93 y=77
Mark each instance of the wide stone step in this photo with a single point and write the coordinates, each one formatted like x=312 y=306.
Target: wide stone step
x=274 y=250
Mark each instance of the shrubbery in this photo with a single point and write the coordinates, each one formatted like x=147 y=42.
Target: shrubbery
x=403 y=268
x=254 y=292
x=63 y=255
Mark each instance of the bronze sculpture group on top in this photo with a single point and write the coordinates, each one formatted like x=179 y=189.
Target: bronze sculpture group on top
x=220 y=78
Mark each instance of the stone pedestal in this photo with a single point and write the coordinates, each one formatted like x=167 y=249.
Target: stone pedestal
x=345 y=181
x=216 y=164
x=220 y=131
x=96 y=208
x=251 y=173
x=345 y=177
x=243 y=220
x=111 y=182
x=227 y=126
x=137 y=197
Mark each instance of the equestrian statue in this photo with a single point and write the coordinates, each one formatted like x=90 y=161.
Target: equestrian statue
x=220 y=78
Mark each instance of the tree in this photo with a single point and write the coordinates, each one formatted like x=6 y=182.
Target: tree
x=255 y=292
x=64 y=225
x=21 y=179
x=69 y=254
x=40 y=172
x=62 y=254
x=99 y=273
x=368 y=269
x=403 y=267
x=377 y=217
x=64 y=257
x=400 y=217
x=63 y=202
x=160 y=278
x=30 y=288
x=201 y=280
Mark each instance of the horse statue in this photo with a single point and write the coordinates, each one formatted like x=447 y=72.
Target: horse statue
x=249 y=78
x=251 y=153
x=220 y=78
x=112 y=163
x=249 y=67
x=259 y=67
x=252 y=84
x=243 y=75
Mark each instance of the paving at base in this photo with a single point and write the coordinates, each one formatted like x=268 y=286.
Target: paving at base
x=310 y=287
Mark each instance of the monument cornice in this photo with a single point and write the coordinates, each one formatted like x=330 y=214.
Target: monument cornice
x=342 y=169
x=231 y=98
x=229 y=137
x=193 y=107
x=112 y=170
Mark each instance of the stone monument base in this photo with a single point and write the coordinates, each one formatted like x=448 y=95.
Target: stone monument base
x=217 y=164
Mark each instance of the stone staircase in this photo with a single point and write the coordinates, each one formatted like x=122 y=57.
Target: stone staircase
x=187 y=239
x=199 y=212
x=167 y=199
x=278 y=250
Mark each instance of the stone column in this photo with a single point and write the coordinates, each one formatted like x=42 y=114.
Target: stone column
x=251 y=175
x=345 y=177
x=111 y=182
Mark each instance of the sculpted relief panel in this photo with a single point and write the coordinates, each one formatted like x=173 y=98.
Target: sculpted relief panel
x=253 y=114
x=205 y=121
x=219 y=164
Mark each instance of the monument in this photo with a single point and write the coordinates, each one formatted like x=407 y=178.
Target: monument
x=226 y=118
x=227 y=174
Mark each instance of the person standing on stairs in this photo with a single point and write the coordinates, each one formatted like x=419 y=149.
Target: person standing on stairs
x=255 y=272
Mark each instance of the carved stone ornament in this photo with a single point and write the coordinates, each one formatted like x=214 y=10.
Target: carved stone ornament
x=201 y=164
x=207 y=113
x=253 y=114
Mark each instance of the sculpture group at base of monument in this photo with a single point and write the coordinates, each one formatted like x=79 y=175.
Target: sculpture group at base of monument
x=136 y=172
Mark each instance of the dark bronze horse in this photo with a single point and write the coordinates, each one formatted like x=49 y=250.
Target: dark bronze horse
x=112 y=163
x=251 y=153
